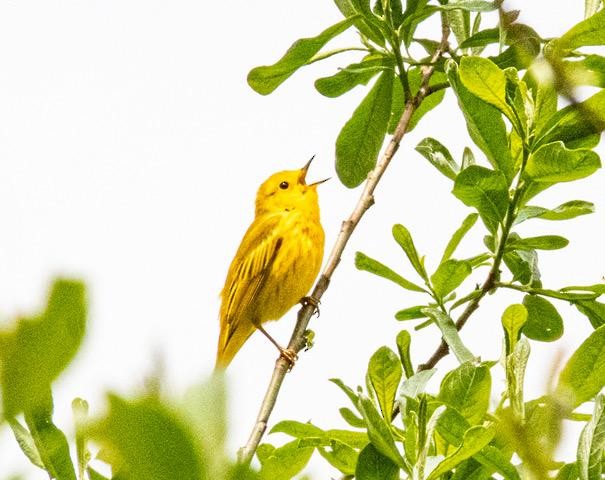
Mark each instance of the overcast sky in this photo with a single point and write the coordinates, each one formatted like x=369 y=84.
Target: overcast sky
x=131 y=149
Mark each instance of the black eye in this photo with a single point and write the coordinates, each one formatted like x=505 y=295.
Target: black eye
x=284 y=185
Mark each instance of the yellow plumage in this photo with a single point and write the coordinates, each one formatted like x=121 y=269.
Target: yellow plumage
x=276 y=263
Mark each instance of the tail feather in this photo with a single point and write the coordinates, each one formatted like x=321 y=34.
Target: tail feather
x=230 y=342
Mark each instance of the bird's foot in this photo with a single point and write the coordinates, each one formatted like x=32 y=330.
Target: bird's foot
x=314 y=302
x=289 y=355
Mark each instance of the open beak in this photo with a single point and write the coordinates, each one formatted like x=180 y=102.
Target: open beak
x=303 y=174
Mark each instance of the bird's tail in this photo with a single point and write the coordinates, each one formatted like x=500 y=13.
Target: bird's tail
x=230 y=342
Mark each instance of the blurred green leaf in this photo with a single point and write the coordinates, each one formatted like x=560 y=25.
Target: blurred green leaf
x=544 y=242
x=403 y=237
x=449 y=275
x=568 y=472
x=591 y=7
x=523 y=264
x=452 y=427
x=410 y=313
x=467 y=389
x=553 y=163
x=575 y=123
x=79 y=409
x=588 y=71
x=486 y=191
x=484 y=79
x=379 y=431
x=373 y=465
x=513 y=319
x=543 y=321
x=352 y=75
x=265 y=79
x=484 y=123
x=595 y=311
x=439 y=156
x=150 y=440
x=94 y=475
x=582 y=378
x=592 y=444
x=50 y=442
x=40 y=348
x=385 y=371
x=474 y=440
x=285 y=462
x=458 y=235
x=360 y=140
x=368 y=264
x=450 y=335
x=324 y=437
x=590 y=31
x=26 y=442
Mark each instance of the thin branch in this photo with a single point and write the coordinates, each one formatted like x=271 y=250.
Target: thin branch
x=298 y=340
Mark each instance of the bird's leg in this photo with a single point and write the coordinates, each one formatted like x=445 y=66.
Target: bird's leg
x=311 y=300
x=287 y=353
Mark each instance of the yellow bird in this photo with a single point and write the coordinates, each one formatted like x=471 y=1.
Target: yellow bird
x=276 y=263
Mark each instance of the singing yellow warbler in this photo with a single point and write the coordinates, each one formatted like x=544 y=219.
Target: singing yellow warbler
x=276 y=263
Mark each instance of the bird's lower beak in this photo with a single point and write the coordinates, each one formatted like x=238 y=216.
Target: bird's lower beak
x=320 y=182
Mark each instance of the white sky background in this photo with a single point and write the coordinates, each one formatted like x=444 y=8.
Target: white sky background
x=131 y=149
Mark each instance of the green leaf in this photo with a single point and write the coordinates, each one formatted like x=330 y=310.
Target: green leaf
x=416 y=11
x=545 y=104
x=350 y=8
x=404 y=340
x=379 y=431
x=458 y=235
x=340 y=456
x=470 y=5
x=150 y=440
x=484 y=79
x=297 y=429
x=588 y=71
x=582 y=378
x=484 y=123
x=468 y=158
x=595 y=311
x=94 y=475
x=516 y=364
x=467 y=389
x=410 y=313
x=575 y=124
x=449 y=275
x=474 y=440
x=564 y=295
x=568 y=472
x=351 y=76
x=368 y=264
x=513 y=319
x=285 y=462
x=50 y=442
x=543 y=321
x=591 y=7
x=415 y=385
x=553 y=163
x=523 y=264
x=359 y=142
x=486 y=191
x=40 y=348
x=565 y=211
x=450 y=335
x=482 y=38
x=385 y=372
x=439 y=156
x=588 y=32
x=265 y=79
x=429 y=431
x=544 y=242
x=592 y=444
x=26 y=442
x=350 y=417
x=347 y=390
x=403 y=237
x=373 y=465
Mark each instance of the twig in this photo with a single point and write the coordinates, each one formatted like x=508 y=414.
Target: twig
x=298 y=341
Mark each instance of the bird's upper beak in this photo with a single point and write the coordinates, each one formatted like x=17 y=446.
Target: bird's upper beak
x=303 y=174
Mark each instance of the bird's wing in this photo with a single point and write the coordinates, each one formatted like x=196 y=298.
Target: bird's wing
x=248 y=272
